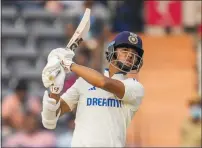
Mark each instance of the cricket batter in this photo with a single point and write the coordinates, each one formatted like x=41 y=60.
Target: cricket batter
x=105 y=102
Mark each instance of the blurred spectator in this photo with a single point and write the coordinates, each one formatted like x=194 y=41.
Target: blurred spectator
x=83 y=56
x=99 y=18
x=104 y=2
x=31 y=135
x=77 y=7
x=191 y=128
x=99 y=13
x=129 y=16
x=64 y=140
x=15 y=104
x=58 y=6
x=69 y=30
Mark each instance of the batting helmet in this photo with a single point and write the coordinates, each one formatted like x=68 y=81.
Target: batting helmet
x=129 y=40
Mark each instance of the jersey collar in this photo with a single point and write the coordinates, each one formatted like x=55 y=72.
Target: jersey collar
x=118 y=75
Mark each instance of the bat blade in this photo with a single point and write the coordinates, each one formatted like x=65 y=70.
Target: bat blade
x=81 y=31
x=77 y=38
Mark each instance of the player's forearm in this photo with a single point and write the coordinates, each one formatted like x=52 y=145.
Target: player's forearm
x=63 y=106
x=91 y=76
x=98 y=80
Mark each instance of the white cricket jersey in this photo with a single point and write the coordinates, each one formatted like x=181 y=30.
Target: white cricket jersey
x=101 y=117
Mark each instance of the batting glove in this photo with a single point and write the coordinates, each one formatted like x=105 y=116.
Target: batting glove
x=58 y=83
x=52 y=67
x=65 y=56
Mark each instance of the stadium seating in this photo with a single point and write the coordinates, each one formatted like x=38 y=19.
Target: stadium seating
x=27 y=38
x=9 y=15
x=5 y=78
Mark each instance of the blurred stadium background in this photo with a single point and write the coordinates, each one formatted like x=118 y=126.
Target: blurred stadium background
x=171 y=74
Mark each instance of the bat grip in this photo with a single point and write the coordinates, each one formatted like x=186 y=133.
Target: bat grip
x=75 y=44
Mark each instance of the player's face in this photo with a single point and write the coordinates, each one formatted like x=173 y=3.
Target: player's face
x=126 y=56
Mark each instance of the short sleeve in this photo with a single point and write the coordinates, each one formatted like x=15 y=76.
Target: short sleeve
x=71 y=96
x=134 y=92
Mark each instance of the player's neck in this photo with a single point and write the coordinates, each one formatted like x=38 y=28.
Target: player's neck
x=112 y=70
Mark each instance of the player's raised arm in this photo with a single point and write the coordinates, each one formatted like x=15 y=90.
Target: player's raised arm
x=99 y=80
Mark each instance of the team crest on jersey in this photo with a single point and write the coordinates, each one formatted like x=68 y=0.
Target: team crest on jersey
x=133 y=38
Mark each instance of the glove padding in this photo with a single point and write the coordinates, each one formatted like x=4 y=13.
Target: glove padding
x=49 y=117
x=52 y=66
x=56 y=58
x=64 y=55
x=58 y=83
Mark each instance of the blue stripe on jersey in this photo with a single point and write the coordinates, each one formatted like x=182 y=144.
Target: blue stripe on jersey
x=92 y=88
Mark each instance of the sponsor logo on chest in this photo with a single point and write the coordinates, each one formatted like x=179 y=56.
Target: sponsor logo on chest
x=109 y=102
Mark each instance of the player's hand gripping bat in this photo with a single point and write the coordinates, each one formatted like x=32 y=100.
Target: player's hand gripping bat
x=78 y=36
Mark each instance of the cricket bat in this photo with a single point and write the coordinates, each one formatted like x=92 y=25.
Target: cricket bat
x=78 y=36
x=81 y=31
